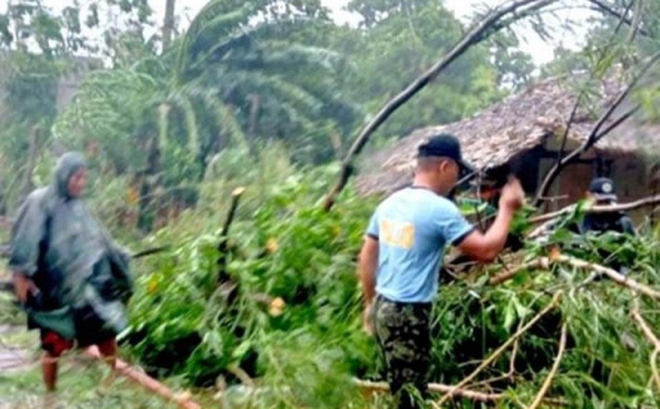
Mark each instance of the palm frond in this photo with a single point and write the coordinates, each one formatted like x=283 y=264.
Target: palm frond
x=217 y=20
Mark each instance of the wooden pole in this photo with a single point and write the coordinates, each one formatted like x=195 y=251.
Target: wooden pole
x=146 y=381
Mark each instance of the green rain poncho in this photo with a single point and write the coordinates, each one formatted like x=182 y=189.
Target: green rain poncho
x=82 y=277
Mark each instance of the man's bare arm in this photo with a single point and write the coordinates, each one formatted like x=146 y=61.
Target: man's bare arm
x=368 y=263
x=486 y=247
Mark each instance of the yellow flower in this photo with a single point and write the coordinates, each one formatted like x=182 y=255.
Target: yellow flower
x=272 y=245
x=152 y=285
x=276 y=307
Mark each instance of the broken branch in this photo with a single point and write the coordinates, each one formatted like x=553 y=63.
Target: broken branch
x=512 y=367
x=617 y=277
x=614 y=275
x=502 y=348
x=539 y=263
x=487 y=27
x=146 y=381
x=555 y=367
x=622 y=207
x=224 y=234
x=437 y=388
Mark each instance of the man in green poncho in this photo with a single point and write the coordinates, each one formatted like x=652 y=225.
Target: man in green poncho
x=72 y=280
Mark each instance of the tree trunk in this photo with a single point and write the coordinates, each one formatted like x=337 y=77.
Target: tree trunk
x=168 y=23
x=255 y=104
x=33 y=155
x=150 y=178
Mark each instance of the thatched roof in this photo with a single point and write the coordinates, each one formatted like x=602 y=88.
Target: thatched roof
x=492 y=137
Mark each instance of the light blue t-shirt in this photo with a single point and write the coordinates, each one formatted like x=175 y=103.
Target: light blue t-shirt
x=413 y=226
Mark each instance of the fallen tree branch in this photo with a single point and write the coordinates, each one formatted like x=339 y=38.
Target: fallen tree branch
x=146 y=381
x=501 y=349
x=243 y=376
x=512 y=367
x=620 y=207
x=617 y=277
x=539 y=263
x=620 y=279
x=487 y=27
x=555 y=367
x=437 y=388
x=648 y=333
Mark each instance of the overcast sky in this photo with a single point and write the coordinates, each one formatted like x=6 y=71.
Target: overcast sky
x=540 y=50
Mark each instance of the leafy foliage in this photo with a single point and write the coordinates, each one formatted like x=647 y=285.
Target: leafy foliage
x=288 y=313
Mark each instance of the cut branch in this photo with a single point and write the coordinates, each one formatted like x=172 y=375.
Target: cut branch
x=235 y=197
x=487 y=27
x=555 y=367
x=223 y=246
x=501 y=349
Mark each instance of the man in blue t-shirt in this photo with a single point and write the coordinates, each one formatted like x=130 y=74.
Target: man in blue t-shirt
x=403 y=250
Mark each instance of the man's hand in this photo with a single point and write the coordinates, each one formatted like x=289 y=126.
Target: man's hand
x=22 y=286
x=513 y=196
x=367 y=320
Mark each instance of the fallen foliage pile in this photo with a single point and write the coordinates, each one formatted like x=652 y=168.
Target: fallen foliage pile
x=280 y=314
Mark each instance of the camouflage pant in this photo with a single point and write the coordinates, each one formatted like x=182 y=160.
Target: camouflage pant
x=403 y=334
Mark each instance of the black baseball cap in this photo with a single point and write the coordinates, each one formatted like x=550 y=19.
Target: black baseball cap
x=602 y=189
x=445 y=145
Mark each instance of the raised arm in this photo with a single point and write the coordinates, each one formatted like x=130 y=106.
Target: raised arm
x=486 y=246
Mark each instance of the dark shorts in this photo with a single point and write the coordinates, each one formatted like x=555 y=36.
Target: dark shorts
x=403 y=332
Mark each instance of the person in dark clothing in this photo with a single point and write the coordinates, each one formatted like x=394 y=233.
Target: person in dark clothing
x=603 y=192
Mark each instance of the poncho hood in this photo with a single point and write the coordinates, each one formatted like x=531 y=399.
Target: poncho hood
x=67 y=165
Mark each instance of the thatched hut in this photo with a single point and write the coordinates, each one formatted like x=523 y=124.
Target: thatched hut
x=530 y=127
